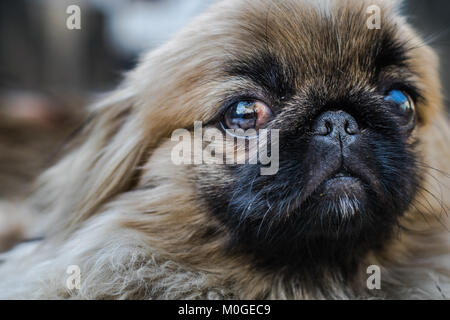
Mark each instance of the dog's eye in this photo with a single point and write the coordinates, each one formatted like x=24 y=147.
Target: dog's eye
x=251 y=114
x=402 y=100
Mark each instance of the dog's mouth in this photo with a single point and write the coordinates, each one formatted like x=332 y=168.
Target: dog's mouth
x=341 y=189
x=340 y=184
x=339 y=180
x=336 y=182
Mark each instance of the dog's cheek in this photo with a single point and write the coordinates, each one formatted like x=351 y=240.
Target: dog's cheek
x=172 y=192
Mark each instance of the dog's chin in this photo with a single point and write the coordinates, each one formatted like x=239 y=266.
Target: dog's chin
x=337 y=207
x=341 y=196
x=342 y=218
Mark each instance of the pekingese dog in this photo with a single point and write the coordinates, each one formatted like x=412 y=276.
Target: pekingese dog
x=352 y=204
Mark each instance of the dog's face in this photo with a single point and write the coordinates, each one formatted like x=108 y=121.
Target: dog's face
x=348 y=103
x=345 y=99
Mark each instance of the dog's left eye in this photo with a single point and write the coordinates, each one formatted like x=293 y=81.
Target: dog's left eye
x=402 y=100
x=249 y=114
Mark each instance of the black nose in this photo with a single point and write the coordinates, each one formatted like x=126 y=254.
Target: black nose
x=336 y=126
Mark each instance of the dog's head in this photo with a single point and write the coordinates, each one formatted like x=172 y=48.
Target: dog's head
x=345 y=96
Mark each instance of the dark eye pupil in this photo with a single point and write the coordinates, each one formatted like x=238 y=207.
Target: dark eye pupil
x=400 y=99
x=404 y=105
x=247 y=115
x=243 y=115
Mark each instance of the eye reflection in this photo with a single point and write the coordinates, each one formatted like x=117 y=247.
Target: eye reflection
x=401 y=99
x=248 y=114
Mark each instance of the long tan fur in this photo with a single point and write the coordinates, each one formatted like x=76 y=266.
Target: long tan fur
x=117 y=207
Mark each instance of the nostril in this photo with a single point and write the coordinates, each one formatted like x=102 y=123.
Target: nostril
x=328 y=126
x=323 y=128
x=334 y=124
x=351 y=127
x=346 y=127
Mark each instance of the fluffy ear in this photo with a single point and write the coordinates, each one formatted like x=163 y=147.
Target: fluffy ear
x=102 y=164
x=171 y=88
x=158 y=97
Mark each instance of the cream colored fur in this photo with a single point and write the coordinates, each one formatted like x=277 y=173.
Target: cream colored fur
x=118 y=208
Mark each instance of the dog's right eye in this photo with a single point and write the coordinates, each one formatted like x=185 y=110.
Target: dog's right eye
x=405 y=105
x=251 y=114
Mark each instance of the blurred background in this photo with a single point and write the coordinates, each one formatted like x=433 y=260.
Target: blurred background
x=48 y=73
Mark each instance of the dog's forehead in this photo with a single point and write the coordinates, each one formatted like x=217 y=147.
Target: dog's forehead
x=286 y=45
